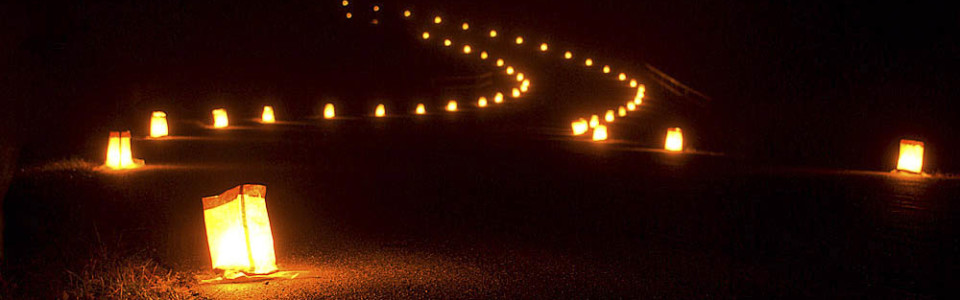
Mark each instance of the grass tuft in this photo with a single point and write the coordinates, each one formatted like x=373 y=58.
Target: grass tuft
x=132 y=277
x=72 y=164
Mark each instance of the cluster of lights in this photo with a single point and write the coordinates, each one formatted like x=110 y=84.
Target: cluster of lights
x=621 y=111
x=522 y=79
x=911 y=154
x=241 y=211
x=482 y=102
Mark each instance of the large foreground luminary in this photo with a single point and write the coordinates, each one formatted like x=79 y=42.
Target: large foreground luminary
x=238 y=232
x=911 y=156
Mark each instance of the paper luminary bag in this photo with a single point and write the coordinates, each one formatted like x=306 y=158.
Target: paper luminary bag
x=267 y=116
x=220 y=119
x=119 y=156
x=600 y=133
x=238 y=232
x=911 y=156
x=158 y=124
x=328 y=111
x=674 y=141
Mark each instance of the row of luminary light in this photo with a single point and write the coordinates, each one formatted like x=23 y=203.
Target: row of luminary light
x=119 y=155
x=911 y=152
x=238 y=229
x=600 y=131
x=674 y=137
x=482 y=101
x=674 y=140
x=523 y=81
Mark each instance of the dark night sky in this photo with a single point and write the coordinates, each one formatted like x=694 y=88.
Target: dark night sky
x=797 y=82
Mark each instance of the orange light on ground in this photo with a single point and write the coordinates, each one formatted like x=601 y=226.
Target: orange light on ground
x=588 y=62
x=345 y=3
x=579 y=126
x=482 y=101
x=493 y=33
x=911 y=156
x=374 y=21
x=631 y=106
x=467 y=49
x=520 y=77
x=594 y=121
x=328 y=112
x=519 y=40
x=452 y=105
x=641 y=92
x=567 y=55
x=349 y=15
x=500 y=62
x=609 y=116
x=600 y=133
x=425 y=35
x=238 y=232
x=465 y=26
x=119 y=155
x=622 y=77
x=267 y=115
x=407 y=13
x=158 y=124
x=633 y=83
x=437 y=20
x=544 y=47
x=420 y=109
x=621 y=111
x=220 y=118
x=498 y=98
x=515 y=93
x=447 y=42
x=376 y=8
x=510 y=70
x=606 y=69
x=483 y=55
x=674 y=140
x=380 y=111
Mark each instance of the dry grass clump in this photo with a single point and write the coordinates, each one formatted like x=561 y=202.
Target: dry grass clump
x=132 y=277
x=70 y=164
